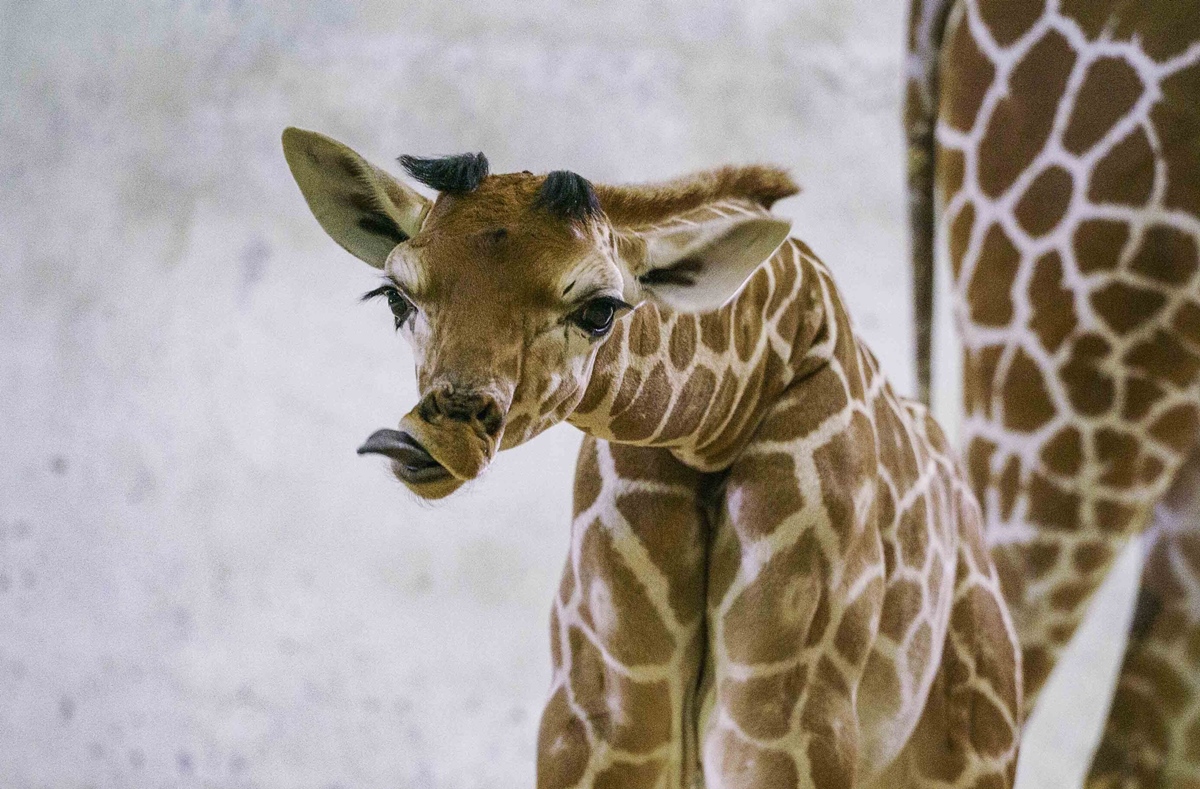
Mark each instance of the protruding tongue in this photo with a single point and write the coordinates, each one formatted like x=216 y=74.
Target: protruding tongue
x=413 y=463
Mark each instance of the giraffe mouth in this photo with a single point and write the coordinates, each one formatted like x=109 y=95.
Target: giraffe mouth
x=411 y=462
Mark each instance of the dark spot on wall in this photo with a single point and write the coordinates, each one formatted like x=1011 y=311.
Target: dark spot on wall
x=137 y=758
x=59 y=465
x=66 y=709
x=253 y=262
x=143 y=484
x=183 y=761
x=182 y=619
x=238 y=764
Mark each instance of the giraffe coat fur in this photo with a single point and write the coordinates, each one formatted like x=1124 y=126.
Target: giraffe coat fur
x=1059 y=143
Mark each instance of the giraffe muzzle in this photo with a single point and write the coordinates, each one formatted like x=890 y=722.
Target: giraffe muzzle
x=410 y=461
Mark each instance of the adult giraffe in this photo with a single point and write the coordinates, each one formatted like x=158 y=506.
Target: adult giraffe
x=1056 y=144
x=777 y=576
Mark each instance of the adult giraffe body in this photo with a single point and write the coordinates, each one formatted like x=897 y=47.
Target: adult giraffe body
x=777 y=576
x=1059 y=142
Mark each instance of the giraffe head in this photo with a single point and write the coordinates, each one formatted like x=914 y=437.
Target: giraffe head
x=506 y=285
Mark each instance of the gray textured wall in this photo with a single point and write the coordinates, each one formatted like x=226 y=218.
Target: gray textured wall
x=200 y=583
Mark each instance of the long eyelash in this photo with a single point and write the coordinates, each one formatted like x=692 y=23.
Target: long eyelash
x=374 y=294
x=583 y=298
x=617 y=304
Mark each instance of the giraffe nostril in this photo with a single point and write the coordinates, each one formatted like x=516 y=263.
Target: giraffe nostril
x=429 y=408
x=490 y=417
x=461 y=406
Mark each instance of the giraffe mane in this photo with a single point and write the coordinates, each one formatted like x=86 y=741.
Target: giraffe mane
x=637 y=204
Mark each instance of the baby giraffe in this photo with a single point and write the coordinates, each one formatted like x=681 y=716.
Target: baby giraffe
x=777 y=577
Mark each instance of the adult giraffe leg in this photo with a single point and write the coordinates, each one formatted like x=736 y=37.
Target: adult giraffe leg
x=1152 y=738
x=626 y=627
x=1070 y=222
x=1056 y=527
x=926 y=25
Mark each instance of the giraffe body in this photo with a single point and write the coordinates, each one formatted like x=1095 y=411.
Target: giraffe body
x=839 y=523
x=1065 y=170
x=776 y=575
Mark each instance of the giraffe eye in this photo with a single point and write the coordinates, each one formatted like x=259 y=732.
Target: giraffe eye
x=596 y=316
x=401 y=307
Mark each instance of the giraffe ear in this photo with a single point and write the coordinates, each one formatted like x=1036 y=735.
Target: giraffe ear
x=696 y=268
x=365 y=210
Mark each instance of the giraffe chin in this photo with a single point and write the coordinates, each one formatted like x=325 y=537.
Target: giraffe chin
x=430 y=490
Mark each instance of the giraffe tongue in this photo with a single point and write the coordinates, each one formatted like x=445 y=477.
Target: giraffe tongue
x=412 y=461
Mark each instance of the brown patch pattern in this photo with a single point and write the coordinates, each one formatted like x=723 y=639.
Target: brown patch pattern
x=1082 y=342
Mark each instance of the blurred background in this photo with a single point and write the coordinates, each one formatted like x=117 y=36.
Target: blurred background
x=200 y=583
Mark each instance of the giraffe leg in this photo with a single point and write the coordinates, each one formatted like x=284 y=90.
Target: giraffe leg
x=1152 y=738
x=969 y=732
x=794 y=600
x=1074 y=302
x=777 y=715
x=626 y=627
x=926 y=21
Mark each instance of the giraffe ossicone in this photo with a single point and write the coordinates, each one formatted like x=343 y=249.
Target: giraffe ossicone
x=777 y=575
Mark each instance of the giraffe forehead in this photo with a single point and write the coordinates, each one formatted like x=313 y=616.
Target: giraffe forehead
x=500 y=238
x=515 y=268
x=499 y=200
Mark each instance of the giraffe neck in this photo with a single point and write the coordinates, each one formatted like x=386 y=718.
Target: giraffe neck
x=700 y=384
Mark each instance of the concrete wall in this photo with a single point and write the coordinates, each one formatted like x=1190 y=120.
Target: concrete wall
x=200 y=583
